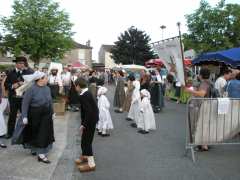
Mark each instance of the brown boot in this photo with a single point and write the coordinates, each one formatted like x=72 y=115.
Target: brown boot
x=81 y=160
x=86 y=168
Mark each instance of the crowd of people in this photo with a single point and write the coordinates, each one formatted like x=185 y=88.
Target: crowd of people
x=29 y=96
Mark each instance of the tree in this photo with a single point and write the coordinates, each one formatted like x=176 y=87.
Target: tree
x=213 y=28
x=37 y=28
x=132 y=47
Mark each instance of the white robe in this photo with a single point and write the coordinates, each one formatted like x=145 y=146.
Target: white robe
x=147 y=118
x=105 y=120
x=3 y=105
x=134 y=111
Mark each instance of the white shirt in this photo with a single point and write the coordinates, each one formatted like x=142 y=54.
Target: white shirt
x=55 y=80
x=220 y=84
x=66 y=78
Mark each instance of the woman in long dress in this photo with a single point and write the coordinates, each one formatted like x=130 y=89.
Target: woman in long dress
x=128 y=98
x=3 y=106
x=105 y=121
x=157 y=92
x=147 y=119
x=119 y=95
x=37 y=114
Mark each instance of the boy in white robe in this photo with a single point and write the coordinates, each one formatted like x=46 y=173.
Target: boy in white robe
x=147 y=119
x=105 y=121
x=134 y=112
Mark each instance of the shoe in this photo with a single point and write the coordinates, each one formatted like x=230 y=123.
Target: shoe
x=44 y=160
x=33 y=153
x=86 y=168
x=3 y=146
x=143 y=132
x=118 y=111
x=128 y=119
x=134 y=125
x=105 y=135
x=8 y=136
x=81 y=160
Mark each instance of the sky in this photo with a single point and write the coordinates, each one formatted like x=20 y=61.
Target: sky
x=102 y=21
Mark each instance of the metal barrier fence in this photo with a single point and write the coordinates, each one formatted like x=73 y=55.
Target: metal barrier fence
x=212 y=121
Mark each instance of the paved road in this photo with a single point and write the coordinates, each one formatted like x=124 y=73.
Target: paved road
x=155 y=156
x=126 y=154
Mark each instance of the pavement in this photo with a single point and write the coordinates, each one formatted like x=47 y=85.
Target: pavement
x=126 y=154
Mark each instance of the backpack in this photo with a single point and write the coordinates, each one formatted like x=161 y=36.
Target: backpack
x=213 y=92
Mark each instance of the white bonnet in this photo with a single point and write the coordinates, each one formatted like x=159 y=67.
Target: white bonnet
x=102 y=90
x=146 y=93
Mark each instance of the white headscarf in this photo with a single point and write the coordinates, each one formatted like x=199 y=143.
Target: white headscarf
x=102 y=90
x=33 y=77
x=136 y=84
x=145 y=93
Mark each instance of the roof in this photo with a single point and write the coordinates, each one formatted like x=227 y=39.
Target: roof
x=107 y=48
x=229 y=57
x=80 y=46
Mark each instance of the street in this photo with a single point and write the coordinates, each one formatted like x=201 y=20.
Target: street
x=126 y=154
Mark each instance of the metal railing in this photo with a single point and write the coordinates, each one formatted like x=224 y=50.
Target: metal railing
x=212 y=121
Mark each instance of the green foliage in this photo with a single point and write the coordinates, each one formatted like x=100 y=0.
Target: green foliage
x=213 y=28
x=37 y=28
x=132 y=47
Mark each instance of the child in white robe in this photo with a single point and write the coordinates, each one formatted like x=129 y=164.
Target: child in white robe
x=134 y=112
x=105 y=121
x=147 y=119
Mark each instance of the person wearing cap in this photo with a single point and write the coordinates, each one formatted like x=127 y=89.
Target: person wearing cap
x=66 y=80
x=105 y=121
x=55 y=83
x=147 y=119
x=13 y=81
x=37 y=115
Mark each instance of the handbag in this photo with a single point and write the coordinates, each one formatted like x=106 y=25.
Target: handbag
x=17 y=137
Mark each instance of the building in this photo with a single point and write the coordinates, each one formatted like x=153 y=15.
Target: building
x=81 y=53
x=104 y=56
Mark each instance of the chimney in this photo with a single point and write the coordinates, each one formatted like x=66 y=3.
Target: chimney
x=88 y=43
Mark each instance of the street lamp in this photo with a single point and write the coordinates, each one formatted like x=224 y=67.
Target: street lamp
x=181 y=45
x=162 y=27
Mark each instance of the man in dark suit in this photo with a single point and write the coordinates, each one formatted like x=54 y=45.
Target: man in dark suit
x=13 y=81
x=89 y=116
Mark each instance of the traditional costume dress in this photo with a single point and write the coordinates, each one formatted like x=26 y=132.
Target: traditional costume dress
x=128 y=98
x=37 y=112
x=147 y=119
x=90 y=117
x=134 y=112
x=119 y=95
x=105 y=121
x=3 y=106
x=157 y=92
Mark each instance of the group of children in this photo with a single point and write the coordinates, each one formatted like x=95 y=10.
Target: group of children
x=141 y=111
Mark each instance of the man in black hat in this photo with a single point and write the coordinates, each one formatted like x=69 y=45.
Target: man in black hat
x=13 y=81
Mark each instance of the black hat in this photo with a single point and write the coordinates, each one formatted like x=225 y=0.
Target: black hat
x=20 y=59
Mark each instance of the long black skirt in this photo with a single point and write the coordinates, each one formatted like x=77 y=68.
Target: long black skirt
x=39 y=132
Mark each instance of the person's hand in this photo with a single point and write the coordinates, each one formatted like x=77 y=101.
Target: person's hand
x=20 y=83
x=25 y=121
x=81 y=129
x=187 y=89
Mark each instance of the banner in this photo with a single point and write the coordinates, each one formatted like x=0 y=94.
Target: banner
x=170 y=52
